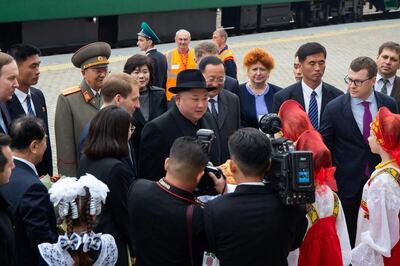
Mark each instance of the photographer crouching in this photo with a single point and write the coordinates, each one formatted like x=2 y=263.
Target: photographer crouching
x=251 y=226
x=165 y=217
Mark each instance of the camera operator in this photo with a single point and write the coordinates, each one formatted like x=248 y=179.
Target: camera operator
x=165 y=218
x=251 y=226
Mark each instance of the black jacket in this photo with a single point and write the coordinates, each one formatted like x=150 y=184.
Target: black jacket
x=7 y=239
x=252 y=227
x=15 y=109
x=112 y=220
x=160 y=67
x=158 y=136
x=157 y=217
x=33 y=213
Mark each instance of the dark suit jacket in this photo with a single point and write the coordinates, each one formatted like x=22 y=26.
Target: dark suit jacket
x=252 y=227
x=6 y=117
x=112 y=219
x=248 y=104
x=157 y=106
x=159 y=225
x=344 y=139
x=35 y=221
x=231 y=84
x=7 y=239
x=16 y=111
x=160 y=67
x=396 y=91
x=228 y=119
x=295 y=92
x=158 y=136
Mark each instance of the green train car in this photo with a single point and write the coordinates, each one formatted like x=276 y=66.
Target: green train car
x=65 y=25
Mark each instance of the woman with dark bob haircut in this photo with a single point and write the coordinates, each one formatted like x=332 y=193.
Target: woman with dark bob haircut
x=153 y=101
x=256 y=95
x=105 y=149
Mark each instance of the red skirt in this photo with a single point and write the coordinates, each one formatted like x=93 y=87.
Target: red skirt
x=321 y=245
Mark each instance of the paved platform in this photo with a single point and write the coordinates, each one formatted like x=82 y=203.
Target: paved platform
x=343 y=43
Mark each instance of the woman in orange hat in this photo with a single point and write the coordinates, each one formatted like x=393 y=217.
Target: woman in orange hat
x=327 y=240
x=378 y=229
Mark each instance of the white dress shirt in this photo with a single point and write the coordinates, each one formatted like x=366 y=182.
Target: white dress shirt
x=22 y=99
x=307 y=96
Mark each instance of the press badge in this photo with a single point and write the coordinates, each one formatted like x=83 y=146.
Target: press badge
x=175 y=66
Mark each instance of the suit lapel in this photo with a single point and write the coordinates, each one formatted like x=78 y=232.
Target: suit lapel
x=88 y=95
x=298 y=95
x=222 y=109
x=349 y=118
x=39 y=108
x=15 y=106
x=326 y=97
x=6 y=115
x=396 y=88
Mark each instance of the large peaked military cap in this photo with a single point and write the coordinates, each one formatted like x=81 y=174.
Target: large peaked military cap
x=147 y=32
x=93 y=55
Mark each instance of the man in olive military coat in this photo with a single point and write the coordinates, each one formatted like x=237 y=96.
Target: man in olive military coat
x=77 y=105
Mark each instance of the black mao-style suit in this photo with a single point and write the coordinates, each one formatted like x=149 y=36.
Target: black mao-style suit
x=157 y=106
x=39 y=102
x=228 y=120
x=112 y=220
x=158 y=136
x=33 y=213
x=248 y=104
x=160 y=67
x=252 y=227
x=295 y=92
x=350 y=152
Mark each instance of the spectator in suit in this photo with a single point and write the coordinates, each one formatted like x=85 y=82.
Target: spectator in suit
x=312 y=93
x=345 y=127
x=28 y=100
x=297 y=68
x=185 y=119
x=388 y=62
x=147 y=39
x=34 y=218
x=7 y=245
x=120 y=89
x=8 y=84
x=208 y=48
x=220 y=37
x=222 y=104
x=166 y=219
x=153 y=101
x=251 y=226
x=106 y=145
x=257 y=94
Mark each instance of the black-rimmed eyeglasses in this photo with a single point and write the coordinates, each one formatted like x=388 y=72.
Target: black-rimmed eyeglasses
x=357 y=83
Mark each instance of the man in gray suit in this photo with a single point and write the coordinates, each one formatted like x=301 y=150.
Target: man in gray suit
x=388 y=62
x=223 y=104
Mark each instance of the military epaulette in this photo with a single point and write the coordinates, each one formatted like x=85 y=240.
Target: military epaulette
x=71 y=90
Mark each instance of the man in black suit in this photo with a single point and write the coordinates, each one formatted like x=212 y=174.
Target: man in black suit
x=388 y=62
x=163 y=213
x=311 y=91
x=207 y=48
x=28 y=100
x=147 y=38
x=222 y=104
x=8 y=84
x=345 y=127
x=251 y=226
x=33 y=213
x=184 y=119
x=7 y=245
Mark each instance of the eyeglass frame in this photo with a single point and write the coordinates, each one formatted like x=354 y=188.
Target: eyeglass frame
x=348 y=81
x=215 y=79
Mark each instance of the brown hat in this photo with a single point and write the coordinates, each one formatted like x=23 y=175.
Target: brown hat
x=93 y=55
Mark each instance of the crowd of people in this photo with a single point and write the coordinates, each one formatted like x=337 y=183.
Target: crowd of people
x=131 y=137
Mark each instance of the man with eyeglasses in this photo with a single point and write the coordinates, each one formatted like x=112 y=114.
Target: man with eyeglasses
x=222 y=104
x=345 y=127
x=79 y=104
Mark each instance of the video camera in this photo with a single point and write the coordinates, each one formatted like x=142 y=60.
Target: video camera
x=206 y=185
x=291 y=173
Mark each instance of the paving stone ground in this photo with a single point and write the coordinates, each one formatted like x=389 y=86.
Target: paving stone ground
x=343 y=43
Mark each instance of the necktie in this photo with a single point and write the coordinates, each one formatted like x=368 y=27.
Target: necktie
x=3 y=124
x=313 y=110
x=384 y=87
x=28 y=103
x=213 y=109
x=367 y=120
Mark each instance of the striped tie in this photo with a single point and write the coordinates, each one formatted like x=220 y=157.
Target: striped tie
x=29 y=105
x=313 y=110
x=384 y=87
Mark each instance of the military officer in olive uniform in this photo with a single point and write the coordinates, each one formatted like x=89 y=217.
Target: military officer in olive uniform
x=78 y=105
